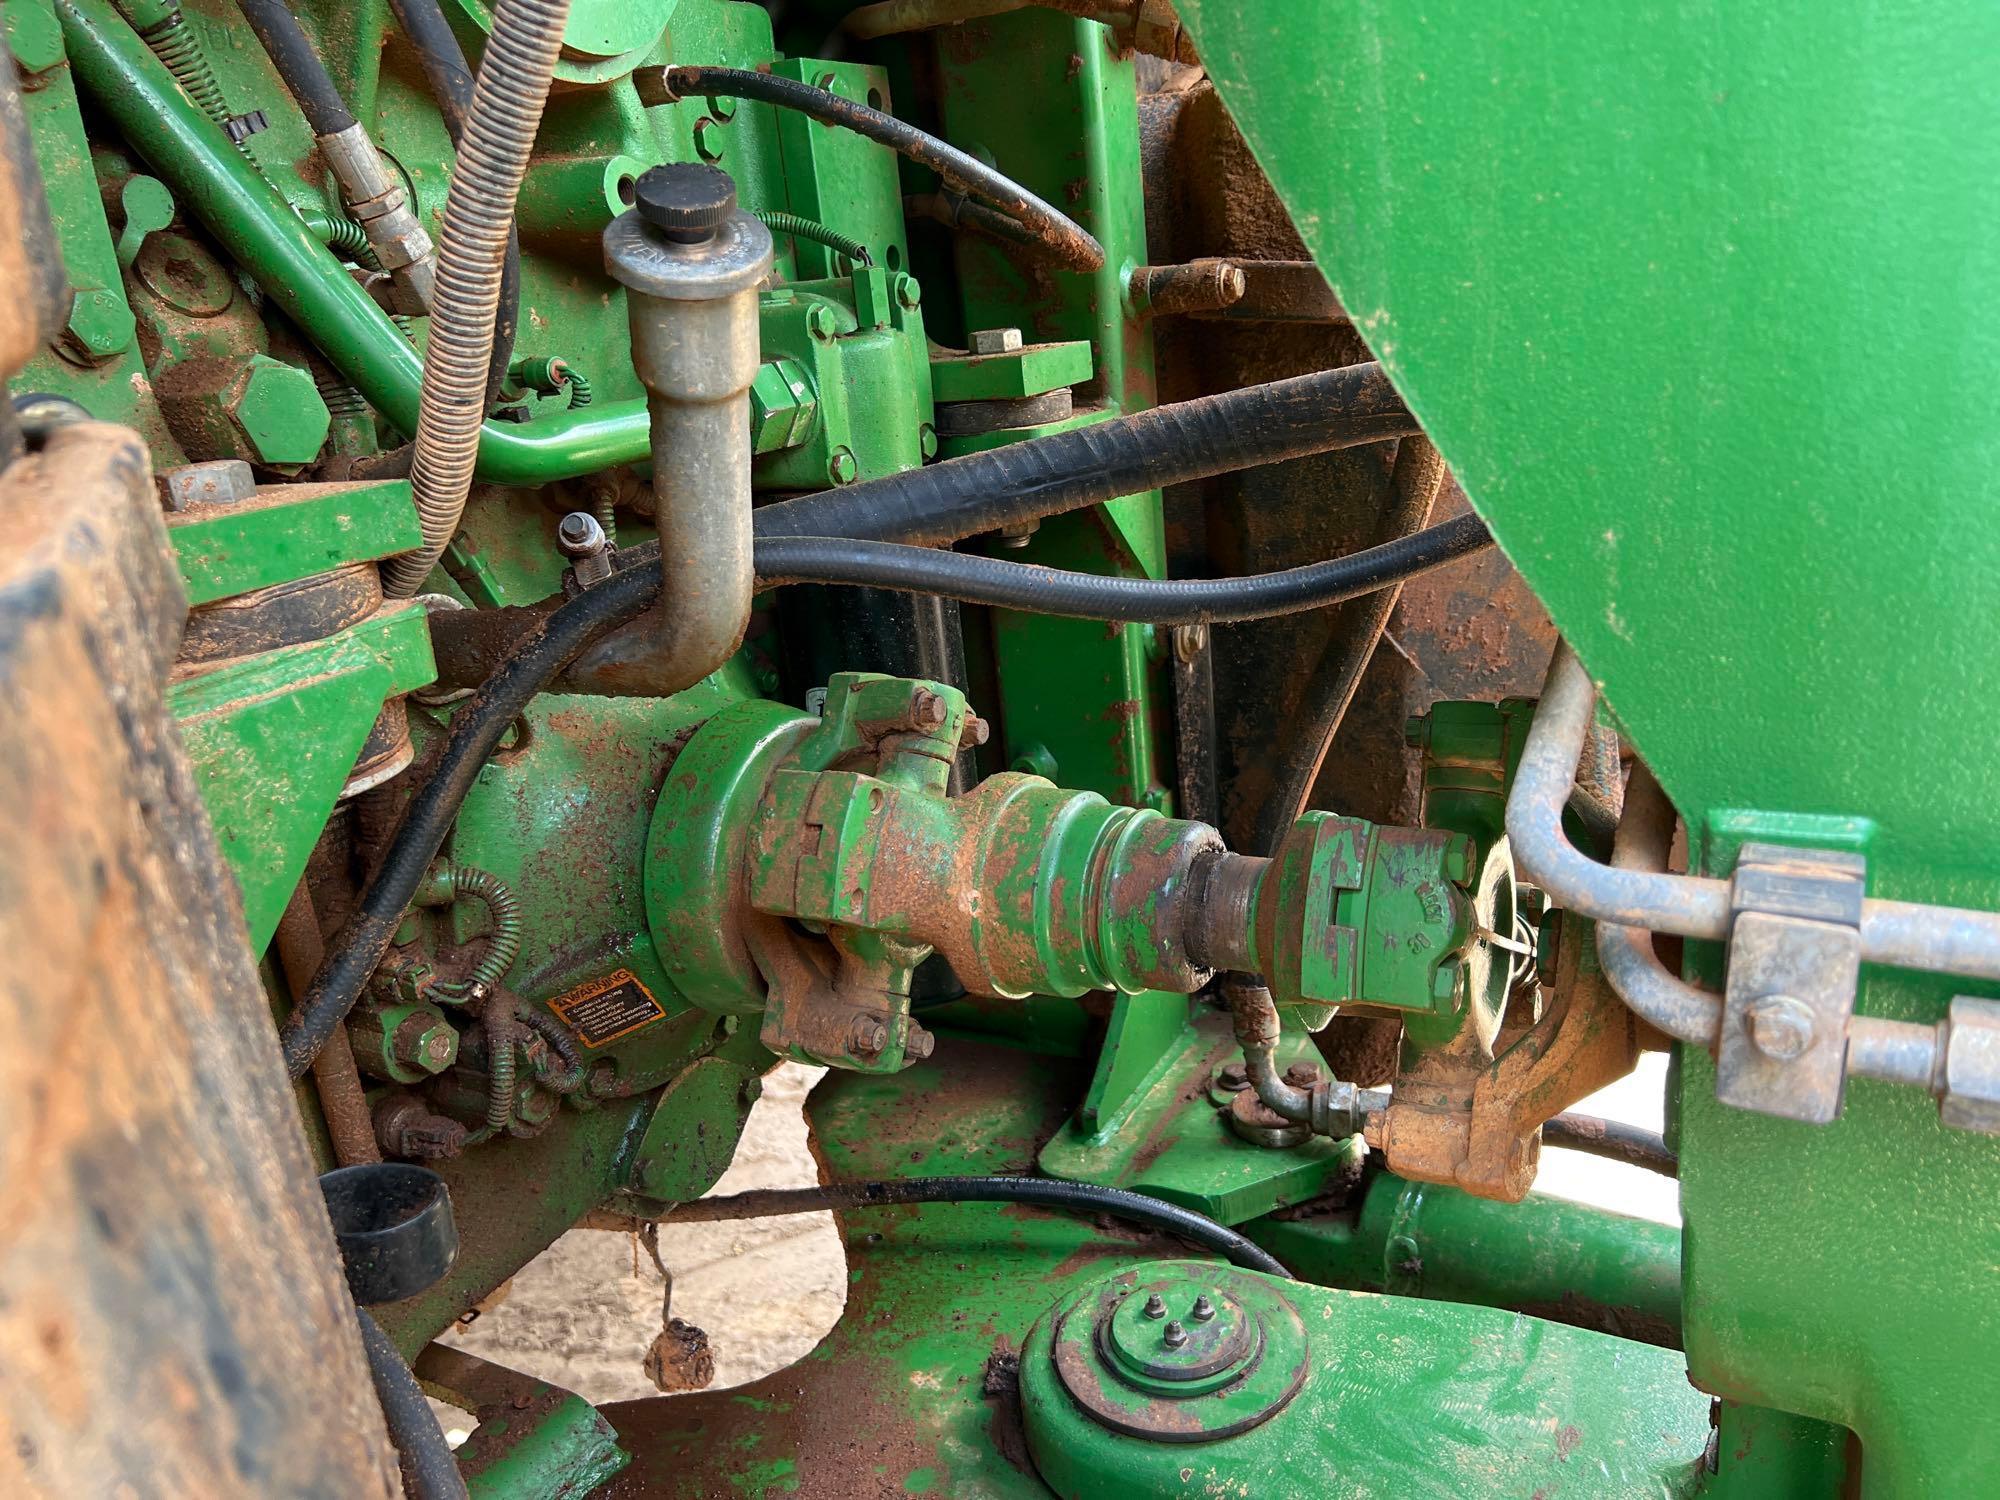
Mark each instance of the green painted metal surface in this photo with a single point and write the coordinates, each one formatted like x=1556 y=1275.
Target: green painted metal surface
x=1169 y=1137
x=271 y=739
x=897 y=1399
x=1609 y=257
x=1536 y=1409
x=1560 y=1260
x=287 y=533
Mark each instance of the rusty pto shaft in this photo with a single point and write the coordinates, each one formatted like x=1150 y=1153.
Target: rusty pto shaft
x=805 y=867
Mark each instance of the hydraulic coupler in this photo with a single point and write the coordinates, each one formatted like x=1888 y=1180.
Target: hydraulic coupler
x=803 y=867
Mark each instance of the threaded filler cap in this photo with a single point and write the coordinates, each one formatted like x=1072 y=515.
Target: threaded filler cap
x=686 y=201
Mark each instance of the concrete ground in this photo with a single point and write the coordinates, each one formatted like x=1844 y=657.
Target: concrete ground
x=585 y=1312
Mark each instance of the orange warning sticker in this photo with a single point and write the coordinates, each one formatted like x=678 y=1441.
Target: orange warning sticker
x=606 y=1009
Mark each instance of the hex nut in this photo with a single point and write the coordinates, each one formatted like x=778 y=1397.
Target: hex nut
x=996 y=340
x=783 y=406
x=425 y=1041
x=1972 y=1066
x=220 y=481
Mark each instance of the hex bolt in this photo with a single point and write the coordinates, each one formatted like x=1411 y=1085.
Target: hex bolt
x=996 y=340
x=822 y=322
x=1780 y=1027
x=1234 y=1077
x=841 y=468
x=867 y=1037
x=976 y=732
x=1203 y=1309
x=1155 y=1307
x=221 y=481
x=423 y=1041
x=1174 y=1335
x=920 y=1044
x=582 y=540
x=909 y=293
x=1302 y=1074
x=927 y=709
x=1189 y=642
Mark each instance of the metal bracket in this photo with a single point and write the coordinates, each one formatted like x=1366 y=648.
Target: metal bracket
x=1794 y=968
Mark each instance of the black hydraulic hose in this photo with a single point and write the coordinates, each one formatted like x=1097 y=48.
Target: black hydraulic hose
x=1613 y=1140
x=285 y=42
x=1174 y=444
x=450 y=79
x=429 y=1470
x=1308 y=732
x=1092 y=596
x=549 y=646
x=1066 y=241
x=1042 y=1192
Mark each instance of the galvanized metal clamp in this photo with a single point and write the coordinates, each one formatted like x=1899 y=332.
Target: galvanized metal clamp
x=1794 y=969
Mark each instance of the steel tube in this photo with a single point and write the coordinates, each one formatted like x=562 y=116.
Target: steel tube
x=1899 y=934
x=261 y=232
x=1646 y=985
x=693 y=305
x=1690 y=905
x=1895 y=1051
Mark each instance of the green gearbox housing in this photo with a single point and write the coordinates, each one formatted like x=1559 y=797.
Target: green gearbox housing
x=803 y=866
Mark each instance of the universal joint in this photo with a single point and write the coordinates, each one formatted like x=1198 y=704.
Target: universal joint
x=803 y=867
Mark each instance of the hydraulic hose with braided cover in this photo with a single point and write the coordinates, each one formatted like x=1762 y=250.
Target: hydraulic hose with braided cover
x=513 y=85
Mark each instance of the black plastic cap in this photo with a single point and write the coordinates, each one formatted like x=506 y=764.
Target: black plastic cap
x=685 y=200
x=394 y=1226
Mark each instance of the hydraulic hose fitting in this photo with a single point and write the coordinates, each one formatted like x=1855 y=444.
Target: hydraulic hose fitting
x=691 y=261
x=382 y=209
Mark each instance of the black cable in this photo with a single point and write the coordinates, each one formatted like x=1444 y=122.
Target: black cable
x=1613 y=1140
x=1309 y=727
x=429 y=1470
x=1092 y=596
x=285 y=42
x=944 y=502
x=1066 y=241
x=450 y=79
x=1174 y=444
x=1043 y=1192
x=475 y=732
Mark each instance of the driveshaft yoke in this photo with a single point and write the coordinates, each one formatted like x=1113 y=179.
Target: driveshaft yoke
x=802 y=867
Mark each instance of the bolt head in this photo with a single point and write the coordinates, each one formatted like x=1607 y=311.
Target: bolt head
x=220 y=482
x=996 y=340
x=425 y=1041
x=867 y=1037
x=1780 y=1027
x=686 y=201
x=1302 y=1075
x=927 y=440
x=100 y=325
x=909 y=292
x=578 y=534
x=821 y=322
x=277 y=413
x=927 y=709
x=842 y=467
x=920 y=1044
x=1234 y=1077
